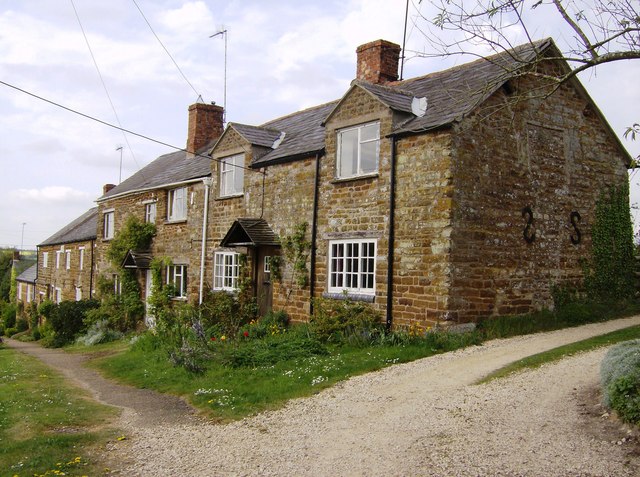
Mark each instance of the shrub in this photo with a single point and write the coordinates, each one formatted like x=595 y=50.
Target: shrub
x=227 y=313
x=345 y=320
x=1 y=329
x=9 y=315
x=67 y=320
x=10 y=332
x=620 y=379
x=46 y=308
x=22 y=325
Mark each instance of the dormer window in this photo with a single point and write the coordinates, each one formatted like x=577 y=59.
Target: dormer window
x=232 y=175
x=358 y=150
x=177 y=204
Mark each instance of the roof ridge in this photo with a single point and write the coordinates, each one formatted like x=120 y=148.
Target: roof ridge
x=469 y=64
x=300 y=112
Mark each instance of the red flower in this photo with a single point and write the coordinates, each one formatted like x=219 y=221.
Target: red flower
x=213 y=338
x=246 y=334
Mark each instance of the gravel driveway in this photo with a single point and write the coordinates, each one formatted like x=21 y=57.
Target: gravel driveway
x=424 y=418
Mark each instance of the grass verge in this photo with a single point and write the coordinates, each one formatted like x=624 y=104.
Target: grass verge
x=555 y=354
x=47 y=428
x=227 y=393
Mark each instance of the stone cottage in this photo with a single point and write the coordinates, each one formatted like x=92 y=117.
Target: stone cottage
x=65 y=268
x=453 y=196
x=173 y=193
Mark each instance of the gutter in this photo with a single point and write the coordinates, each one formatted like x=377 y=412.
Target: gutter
x=154 y=187
x=392 y=234
x=314 y=232
x=207 y=181
x=91 y=271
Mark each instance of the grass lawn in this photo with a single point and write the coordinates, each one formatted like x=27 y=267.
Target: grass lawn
x=537 y=360
x=227 y=393
x=46 y=426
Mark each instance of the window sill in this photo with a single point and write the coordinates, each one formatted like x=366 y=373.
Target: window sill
x=349 y=296
x=339 y=180
x=176 y=221
x=232 y=196
x=107 y=239
x=178 y=298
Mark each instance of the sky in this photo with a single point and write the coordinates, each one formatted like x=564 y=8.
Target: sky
x=282 y=56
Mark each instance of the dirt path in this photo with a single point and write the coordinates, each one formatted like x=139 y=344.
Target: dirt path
x=422 y=418
x=141 y=407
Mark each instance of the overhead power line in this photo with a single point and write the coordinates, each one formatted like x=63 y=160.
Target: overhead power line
x=119 y=128
x=198 y=95
x=104 y=85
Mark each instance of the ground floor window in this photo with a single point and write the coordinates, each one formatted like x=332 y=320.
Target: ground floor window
x=78 y=293
x=226 y=270
x=177 y=276
x=58 y=295
x=352 y=266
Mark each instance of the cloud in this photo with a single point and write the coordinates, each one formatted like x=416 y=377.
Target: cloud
x=51 y=194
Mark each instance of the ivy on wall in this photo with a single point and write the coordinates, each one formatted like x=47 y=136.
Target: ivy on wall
x=610 y=274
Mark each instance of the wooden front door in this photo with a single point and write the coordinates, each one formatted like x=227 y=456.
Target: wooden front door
x=264 y=288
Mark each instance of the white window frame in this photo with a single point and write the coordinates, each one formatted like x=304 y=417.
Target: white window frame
x=232 y=175
x=360 y=142
x=267 y=264
x=150 y=212
x=226 y=270
x=58 y=294
x=78 y=293
x=177 y=204
x=117 y=284
x=20 y=291
x=177 y=276
x=45 y=259
x=58 y=252
x=81 y=258
x=29 y=292
x=352 y=264
x=108 y=221
x=67 y=263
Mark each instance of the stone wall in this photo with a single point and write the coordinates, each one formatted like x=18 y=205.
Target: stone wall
x=551 y=155
x=67 y=280
x=179 y=241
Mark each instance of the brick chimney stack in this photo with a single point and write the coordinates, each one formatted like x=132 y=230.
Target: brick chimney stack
x=378 y=62
x=107 y=187
x=205 y=124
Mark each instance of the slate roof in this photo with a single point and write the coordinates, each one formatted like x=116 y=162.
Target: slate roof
x=171 y=168
x=252 y=232
x=304 y=133
x=451 y=94
x=137 y=259
x=29 y=275
x=81 y=229
x=257 y=135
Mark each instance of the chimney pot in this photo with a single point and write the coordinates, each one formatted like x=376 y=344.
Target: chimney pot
x=107 y=187
x=205 y=125
x=378 y=62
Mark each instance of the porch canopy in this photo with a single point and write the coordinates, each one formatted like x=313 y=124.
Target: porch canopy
x=140 y=259
x=250 y=233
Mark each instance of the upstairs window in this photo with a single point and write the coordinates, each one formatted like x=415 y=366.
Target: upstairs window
x=45 y=259
x=177 y=204
x=58 y=253
x=232 y=175
x=81 y=261
x=226 y=270
x=177 y=276
x=68 y=259
x=109 y=225
x=352 y=266
x=150 y=213
x=358 y=150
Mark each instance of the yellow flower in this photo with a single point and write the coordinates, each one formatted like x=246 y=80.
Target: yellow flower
x=223 y=337
x=122 y=438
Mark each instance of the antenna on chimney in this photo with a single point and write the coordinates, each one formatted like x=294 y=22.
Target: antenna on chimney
x=404 y=40
x=119 y=148
x=223 y=32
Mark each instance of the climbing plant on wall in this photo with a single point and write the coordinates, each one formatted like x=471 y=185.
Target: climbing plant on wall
x=295 y=253
x=609 y=274
x=126 y=308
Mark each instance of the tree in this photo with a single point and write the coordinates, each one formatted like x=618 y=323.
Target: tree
x=603 y=31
